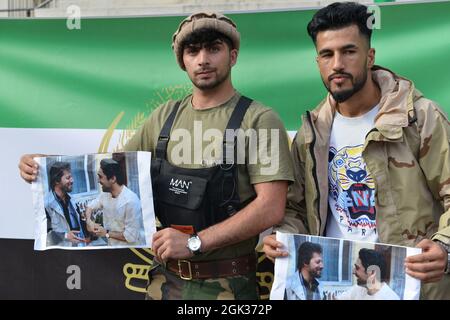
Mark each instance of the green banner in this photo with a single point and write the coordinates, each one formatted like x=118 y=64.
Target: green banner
x=52 y=77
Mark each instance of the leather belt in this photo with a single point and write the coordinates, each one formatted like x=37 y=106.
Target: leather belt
x=188 y=270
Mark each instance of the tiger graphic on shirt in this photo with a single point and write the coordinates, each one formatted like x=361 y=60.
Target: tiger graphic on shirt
x=352 y=187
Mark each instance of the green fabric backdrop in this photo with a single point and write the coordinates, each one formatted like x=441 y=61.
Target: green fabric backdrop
x=52 y=77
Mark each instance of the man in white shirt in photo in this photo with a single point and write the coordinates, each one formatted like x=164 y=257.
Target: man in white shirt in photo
x=370 y=272
x=121 y=207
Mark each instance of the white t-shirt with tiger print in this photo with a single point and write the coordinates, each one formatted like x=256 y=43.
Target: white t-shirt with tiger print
x=352 y=193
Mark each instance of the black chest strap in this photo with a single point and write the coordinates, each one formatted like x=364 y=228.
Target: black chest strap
x=164 y=135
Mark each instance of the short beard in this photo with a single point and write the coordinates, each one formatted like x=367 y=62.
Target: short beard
x=361 y=283
x=106 y=189
x=67 y=189
x=342 y=96
x=212 y=85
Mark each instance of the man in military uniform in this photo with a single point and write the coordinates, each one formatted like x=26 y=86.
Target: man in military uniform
x=372 y=161
x=212 y=205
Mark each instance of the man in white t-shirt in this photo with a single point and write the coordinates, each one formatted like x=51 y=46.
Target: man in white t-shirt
x=372 y=160
x=370 y=272
x=351 y=187
x=122 y=215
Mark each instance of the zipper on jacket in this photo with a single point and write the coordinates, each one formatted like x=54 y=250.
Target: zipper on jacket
x=314 y=168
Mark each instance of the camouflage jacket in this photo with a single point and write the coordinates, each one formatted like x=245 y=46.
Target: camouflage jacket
x=407 y=153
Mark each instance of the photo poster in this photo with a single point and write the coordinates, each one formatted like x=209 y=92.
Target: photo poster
x=338 y=269
x=94 y=201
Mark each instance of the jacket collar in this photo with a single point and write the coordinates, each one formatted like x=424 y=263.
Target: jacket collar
x=53 y=203
x=298 y=285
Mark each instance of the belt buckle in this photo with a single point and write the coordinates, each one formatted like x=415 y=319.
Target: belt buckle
x=180 y=272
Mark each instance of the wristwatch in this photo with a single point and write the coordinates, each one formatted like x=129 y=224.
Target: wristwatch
x=194 y=244
x=447 y=248
x=107 y=234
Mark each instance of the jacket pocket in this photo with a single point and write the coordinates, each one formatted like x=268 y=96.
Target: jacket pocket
x=181 y=190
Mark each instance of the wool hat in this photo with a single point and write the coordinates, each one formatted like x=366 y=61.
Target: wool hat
x=203 y=20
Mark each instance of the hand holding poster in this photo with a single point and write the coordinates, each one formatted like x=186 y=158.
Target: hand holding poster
x=319 y=268
x=94 y=201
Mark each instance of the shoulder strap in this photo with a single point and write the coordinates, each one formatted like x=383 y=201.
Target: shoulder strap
x=239 y=113
x=229 y=145
x=164 y=135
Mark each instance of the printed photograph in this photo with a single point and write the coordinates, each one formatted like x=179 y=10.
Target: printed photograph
x=320 y=268
x=94 y=201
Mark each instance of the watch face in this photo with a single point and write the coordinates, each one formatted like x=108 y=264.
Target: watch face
x=194 y=243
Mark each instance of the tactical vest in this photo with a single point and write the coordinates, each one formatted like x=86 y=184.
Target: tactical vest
x=191 y=200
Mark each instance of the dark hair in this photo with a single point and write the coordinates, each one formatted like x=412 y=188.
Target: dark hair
x=111 y=168
x=305 y=253
x=371 y=257
x=205 y=36
x=340 y=15
x=56 y=172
